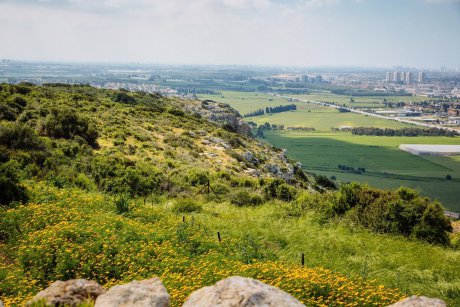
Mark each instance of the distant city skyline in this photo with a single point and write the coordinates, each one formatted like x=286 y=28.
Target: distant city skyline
x=423 y=34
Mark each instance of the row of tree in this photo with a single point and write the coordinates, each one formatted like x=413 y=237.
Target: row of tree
x=258 y=112
x=279 y=109
x=411 y=131
x=270 y=110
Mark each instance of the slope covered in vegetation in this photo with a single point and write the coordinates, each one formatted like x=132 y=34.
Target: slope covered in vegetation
x=113 y=185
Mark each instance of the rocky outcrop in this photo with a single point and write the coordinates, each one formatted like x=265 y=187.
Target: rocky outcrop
x=69 y=293
x=240 y=292
x=149 y=292
x=419 y=301
x=220 y=113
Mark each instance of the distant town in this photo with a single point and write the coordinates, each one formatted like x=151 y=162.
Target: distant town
x=431 y=97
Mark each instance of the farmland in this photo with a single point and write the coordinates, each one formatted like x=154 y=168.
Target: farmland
x=386 y=166
x=246 y=102
x=359 y=102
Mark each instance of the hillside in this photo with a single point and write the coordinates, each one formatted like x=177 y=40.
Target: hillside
x=113 y=186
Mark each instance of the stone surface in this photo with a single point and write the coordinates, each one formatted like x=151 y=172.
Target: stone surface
x=150 y=292
x=419 y=301
x=241 y=292
x=70 y=293
x=220 y=113
x=1 y=304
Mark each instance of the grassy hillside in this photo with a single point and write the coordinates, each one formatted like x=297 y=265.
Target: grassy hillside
x=113 y=185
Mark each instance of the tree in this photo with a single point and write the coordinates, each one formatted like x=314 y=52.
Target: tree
x=10 y=188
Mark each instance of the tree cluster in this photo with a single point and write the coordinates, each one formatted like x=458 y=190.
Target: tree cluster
x=258 y=112
x=279 y=109
x=410 y=131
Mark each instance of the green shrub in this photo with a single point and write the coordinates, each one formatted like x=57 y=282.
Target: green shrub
x=401 y=212
x=325 y=182
x=10 y=188
x=16 y=136
x=122 y=204
x=186 y=206
x=244 y=198
x=197 y=177
x=66 y=124
x=176 y=112
x=123 y=97
x=286 y=192
x=7 y=113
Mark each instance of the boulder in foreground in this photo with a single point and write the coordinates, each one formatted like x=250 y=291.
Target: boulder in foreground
x=150 y=292
x=419 y=301
x=68 y=293
x=241 y=292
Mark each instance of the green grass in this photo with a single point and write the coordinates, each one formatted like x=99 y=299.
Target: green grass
x=246 y=102
x=323 y=119
x=359 y=102
x=68 y=233
x=307 y=115
x=393 y=261
x=386 y=165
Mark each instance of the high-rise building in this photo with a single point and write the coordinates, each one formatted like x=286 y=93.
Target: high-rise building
x=408 y=77
x=388 y=77
x=421 y=77
x=396 y=76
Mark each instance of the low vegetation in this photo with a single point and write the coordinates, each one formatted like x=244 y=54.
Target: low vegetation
x=158 y=190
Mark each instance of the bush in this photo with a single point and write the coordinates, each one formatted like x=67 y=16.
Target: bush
x=186 y=206
x=16 y=136
x=10 y=188
x=66 y=124
x=286 y=192
x=122 y=204
x=325 y=182
x=244 y=198
x=123 y=97
x=402 y=212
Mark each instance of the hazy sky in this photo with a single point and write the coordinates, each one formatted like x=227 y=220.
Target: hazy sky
x=384 y=33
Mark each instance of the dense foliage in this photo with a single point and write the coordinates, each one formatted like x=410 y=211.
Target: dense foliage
x=403 y=131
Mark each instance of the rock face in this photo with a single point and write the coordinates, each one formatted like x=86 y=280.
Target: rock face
x=241 y=292
x=220 y=113
x=420 y=301
x=149 y=292
x=69 y=293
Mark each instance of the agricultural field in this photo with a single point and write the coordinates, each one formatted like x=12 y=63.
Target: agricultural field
x=322 y=151
x=359 y=101
x=386 y=166
x=246 y=102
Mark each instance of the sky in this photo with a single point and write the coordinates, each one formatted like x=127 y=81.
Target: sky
x=306 y=33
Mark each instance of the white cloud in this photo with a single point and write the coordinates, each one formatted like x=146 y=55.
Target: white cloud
x=304 y=32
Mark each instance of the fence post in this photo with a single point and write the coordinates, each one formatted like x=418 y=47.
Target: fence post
x=218 y=237
x=303 y=259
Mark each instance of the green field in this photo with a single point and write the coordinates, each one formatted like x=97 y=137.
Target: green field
x=246 y=102
x=322 y=151
x=359 y=102
x=386 y=165
x=307 y=115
